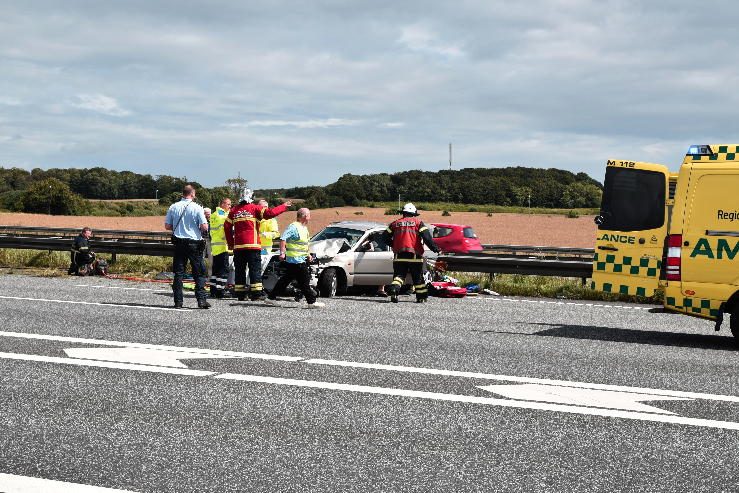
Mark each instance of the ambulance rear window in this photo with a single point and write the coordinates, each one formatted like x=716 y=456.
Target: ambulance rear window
x=633 y=200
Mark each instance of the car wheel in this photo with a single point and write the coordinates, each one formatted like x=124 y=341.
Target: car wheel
x=328 y=283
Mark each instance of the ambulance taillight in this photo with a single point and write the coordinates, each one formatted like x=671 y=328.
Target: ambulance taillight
x=674 y=247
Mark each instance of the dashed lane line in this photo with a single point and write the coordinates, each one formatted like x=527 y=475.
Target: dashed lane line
x=572 y=303
x=176 y=349
x=122 y=288
x=538 y=404
x=11 y=483
x=93 y=303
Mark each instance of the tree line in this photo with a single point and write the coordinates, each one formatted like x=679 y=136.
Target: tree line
x=66 y=191
x=512 y=186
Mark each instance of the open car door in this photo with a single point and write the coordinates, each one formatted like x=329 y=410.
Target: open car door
x=632 y=228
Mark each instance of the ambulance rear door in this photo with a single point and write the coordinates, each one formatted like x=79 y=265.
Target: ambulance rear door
x=632 y=228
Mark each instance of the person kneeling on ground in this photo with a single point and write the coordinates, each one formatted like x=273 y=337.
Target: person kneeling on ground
x=82 y=258
x=294 y=244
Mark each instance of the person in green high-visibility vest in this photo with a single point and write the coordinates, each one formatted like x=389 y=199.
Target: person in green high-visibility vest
x=294 y=250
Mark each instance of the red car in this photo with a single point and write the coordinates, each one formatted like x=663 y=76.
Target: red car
x=456 y=238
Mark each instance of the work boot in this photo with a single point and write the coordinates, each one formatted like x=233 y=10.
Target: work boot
x=421 y=300
x=203 y=304
x=258 y=297
x=394 y=297
x=240 y=297
x=178 y=304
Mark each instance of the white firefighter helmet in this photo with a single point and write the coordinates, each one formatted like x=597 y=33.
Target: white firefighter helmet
x=246 y=195
x=410 y=209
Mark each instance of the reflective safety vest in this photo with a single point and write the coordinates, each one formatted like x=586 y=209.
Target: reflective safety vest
x=295 y=248
x=268 y=231
x=406 y=233
x=218 y=244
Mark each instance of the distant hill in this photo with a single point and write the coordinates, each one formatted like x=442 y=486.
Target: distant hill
x=35 y=190
x=550 y=188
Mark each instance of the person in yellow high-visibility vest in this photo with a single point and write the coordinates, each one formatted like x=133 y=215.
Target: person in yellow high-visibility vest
x=295 y=252
x=219 y=249
x=268 y=231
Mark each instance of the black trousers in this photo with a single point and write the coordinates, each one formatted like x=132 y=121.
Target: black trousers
x=401 y=268
x=299 y=272
x=219 y=272
x=77 y=260
x=188 y=251
x=253 y=260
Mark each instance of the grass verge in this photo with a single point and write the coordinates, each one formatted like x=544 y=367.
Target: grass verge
x=50 y=264
x=53 y=264
x=546 y=287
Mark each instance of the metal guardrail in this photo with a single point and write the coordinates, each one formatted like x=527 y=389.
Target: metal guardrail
x=517 y=265
x=495 y=259
x=113 y=234
x=114 y=246
x=545 y=251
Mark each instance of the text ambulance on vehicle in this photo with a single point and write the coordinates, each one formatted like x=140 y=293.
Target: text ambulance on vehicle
x=675 y=231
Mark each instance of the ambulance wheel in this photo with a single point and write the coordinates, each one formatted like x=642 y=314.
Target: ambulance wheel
x=328 y=283
x=735 y=323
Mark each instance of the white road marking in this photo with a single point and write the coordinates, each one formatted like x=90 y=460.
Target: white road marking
x=213 y=353
x=142 y=356
x=104 y=364
x=567 y=398
x=596 y=305
x=101 y=286
x=510 y=378
x=727 y=425
x=627 y=401
x=10 y=483
x=117 y=305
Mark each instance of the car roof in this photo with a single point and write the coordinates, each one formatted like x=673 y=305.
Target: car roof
x=360 y=225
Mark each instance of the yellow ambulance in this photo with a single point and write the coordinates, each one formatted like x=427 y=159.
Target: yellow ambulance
x=673 y=231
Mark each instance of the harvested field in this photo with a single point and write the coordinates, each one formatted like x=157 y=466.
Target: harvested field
x=502 y=228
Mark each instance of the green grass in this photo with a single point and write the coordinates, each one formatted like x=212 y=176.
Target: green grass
x=53 y=264
x=546 y=287
x=42 y=262
x=134 y=208
x=451 y=207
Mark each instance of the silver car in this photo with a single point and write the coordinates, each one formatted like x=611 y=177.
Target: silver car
x=363 y=258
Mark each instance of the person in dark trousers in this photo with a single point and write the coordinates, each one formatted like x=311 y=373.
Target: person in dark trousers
x=186 y=220
x=242 y=234
x=81 y=256
x=294 y=244
x=219 y=249
x=408 y=234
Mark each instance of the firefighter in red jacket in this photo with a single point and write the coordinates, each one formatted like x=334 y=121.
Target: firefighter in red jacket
x=242 y=235
x=408 y=234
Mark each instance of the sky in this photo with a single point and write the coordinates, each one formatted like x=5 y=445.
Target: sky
x=297 y=93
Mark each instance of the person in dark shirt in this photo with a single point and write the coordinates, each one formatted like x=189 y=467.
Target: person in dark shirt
x=81 y=255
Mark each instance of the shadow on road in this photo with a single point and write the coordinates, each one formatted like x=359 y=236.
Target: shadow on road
x=679 y=339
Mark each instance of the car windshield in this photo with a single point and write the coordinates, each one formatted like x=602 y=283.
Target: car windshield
x=331 y=232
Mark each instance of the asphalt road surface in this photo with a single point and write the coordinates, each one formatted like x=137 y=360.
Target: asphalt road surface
x=106 y=388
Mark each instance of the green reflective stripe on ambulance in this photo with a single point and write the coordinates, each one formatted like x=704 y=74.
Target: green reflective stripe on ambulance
x=695 y=306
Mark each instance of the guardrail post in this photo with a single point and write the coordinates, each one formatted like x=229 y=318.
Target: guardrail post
x=113 y=258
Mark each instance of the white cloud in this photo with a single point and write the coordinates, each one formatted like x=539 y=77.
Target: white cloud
x=392 y=125
x=100 y=103
x=422 y=39
x=303 y=124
